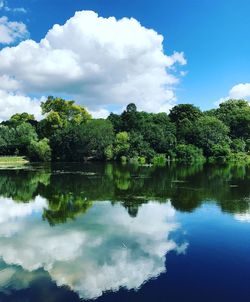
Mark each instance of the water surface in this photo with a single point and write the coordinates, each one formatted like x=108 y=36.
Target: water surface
x=124 y=233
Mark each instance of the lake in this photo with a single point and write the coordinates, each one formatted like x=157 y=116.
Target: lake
x=78 y=232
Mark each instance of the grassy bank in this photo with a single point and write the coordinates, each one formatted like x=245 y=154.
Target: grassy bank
x=9 y=160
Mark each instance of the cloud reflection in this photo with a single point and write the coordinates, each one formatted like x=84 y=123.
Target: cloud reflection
x=102 y=250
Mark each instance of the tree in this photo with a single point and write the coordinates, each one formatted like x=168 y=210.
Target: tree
x=210 y=131
x=67 y=110
x=160 y=139
x=130 y=118
x=74 y=142
x=98 y=135
x=116 y=121
x=238 y=145
x=236 y=115
x=40 y=150
x=50 y=124
x=184 y=111
x=8 y=143
x=121 y=144
x=184 y=116
x=67 y=143
x=19 y=118
x=59 y=113
x=139 y=147
x=25 y=134
x=189 y=153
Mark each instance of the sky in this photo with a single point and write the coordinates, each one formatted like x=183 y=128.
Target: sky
x=107 y=53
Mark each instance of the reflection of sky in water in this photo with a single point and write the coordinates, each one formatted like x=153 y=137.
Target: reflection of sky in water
x=243 y=217
x=105 y=249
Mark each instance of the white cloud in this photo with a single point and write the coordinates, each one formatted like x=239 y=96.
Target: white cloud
x=12 y=102
x=11 y=32
x=239 y=91
x=4 y=6
x=99 y=62
x=104 y=250
x=100 y=113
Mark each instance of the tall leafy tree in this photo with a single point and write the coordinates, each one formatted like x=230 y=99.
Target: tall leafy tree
x=210 y=131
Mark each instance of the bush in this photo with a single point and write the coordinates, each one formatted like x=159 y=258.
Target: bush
x=40 y=151
x=189 y=153
x=159 y=160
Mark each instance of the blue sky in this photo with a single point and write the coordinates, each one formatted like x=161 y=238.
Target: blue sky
x=212 y=34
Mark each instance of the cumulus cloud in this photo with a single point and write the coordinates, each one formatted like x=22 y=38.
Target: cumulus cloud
x=239 y=91
x=14 y=102
x=106 y=250
x=11 y=32
x=99 y=62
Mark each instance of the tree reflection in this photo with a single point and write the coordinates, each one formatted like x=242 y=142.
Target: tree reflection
x=71 y=189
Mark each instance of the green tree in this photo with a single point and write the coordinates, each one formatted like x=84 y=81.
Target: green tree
x=25 y=134
x=98 y=135
x=59 y=113
x=189 y=153
x=24 y=117
x=210 y=131
x=121 y=144
x=74 y=142
x=40 y=150
x=184 y=111
x=116 y=121
x=8 y=143
x=236 y=115
x=67 y=110
x=184 y=116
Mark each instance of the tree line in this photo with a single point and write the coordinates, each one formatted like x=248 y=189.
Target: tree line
x=69 y=133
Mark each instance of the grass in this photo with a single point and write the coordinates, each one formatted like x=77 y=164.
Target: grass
x=6 y=160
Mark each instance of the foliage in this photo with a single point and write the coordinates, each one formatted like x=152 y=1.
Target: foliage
x=159 y=160
x=75 y=142
x=209 y=131
x=40 y=150
x=68 y=132
x=236 y=115
x=121 y=144
x=97 y=136
x=67 y=110
x=238 y=145
x=59 y=113
x=184 y=116
x=189 y=153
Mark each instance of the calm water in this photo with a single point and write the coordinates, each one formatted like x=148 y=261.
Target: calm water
x=120 y=233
